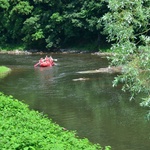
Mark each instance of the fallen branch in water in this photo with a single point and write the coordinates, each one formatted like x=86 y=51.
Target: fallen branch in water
x=104 y=70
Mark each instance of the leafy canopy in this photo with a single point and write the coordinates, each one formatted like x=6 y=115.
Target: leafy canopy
x=127 y=25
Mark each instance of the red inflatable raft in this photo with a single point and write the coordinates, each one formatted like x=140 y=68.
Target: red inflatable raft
x=47 y=62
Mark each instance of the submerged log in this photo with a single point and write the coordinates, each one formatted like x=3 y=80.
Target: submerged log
x=103 y=54
x=110 y=70
x=80 y=79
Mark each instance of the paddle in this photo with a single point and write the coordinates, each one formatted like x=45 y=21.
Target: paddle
x=36 y=64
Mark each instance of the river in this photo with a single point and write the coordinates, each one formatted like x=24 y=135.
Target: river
x=92 y=107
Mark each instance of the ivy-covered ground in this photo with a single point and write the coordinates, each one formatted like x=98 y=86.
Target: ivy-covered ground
x=25 y=129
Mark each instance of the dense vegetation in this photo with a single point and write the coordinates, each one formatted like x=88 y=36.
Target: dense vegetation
x=23 y=129
x=128 y=26
x=45 y=24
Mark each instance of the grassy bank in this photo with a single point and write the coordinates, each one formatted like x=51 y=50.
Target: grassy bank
x=24 y=129
x=4 y=71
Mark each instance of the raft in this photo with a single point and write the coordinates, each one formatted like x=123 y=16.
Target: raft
x=47 y=62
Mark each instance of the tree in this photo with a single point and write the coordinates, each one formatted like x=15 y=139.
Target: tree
x=82 y=20
x=48 y=24
x=4 y=6
x=12 y=18
x=127 y=25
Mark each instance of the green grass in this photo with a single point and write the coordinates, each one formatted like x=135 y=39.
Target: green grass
x=24 y=129
x=4 y=71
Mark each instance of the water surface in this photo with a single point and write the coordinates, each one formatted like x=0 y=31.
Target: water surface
x=92 y=107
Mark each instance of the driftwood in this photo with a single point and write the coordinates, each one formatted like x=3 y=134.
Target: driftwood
x=80 y=79
x=103 y=54
x=110 y=70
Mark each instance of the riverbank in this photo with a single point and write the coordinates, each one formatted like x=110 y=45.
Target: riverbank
x=63 y=51
x=15 y=52
x=4 y=71
x=22 y=128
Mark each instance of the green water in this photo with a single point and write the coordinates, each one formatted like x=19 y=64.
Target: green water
x=91 y=107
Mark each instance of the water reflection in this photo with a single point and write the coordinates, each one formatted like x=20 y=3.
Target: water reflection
x=92 y=107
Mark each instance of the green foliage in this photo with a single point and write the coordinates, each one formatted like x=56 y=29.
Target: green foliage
x=82 y=21
x=22 y=8
x=4 y=5
x=37 y=35
x=12 y=21
x=135 y=78
x=11 y=47
x=32 y=29
x=126 y=21
x=56 y=17
x=50 y=24
x=127 y=24
x=33 y=32
x=23 y=129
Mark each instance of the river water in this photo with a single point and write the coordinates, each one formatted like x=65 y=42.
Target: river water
x=92 y=107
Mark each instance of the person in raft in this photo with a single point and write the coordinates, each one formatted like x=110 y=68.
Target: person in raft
x=47 y=61
x=51 y=60
x=41 y=60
